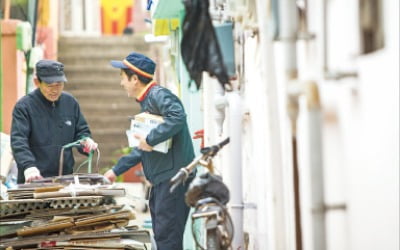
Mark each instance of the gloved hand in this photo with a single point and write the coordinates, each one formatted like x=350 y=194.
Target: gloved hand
x=31 y=174
x=89 y=145
x=110 y=175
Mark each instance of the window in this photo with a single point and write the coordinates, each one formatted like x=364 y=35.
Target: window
x=371 y=26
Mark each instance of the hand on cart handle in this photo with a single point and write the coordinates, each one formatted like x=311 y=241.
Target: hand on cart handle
x=89 y=145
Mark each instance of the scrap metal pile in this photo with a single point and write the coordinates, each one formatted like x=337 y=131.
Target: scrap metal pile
x=68 y=212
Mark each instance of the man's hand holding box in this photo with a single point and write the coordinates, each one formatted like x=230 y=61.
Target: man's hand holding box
x=141 y=126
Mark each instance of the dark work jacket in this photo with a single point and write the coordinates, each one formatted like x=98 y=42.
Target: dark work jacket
x=40 y=128
x=157 y=166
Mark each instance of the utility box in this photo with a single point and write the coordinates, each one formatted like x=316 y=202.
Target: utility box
x=142 y=125
x=224 y=34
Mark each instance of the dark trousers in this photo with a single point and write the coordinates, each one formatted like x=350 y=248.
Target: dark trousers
x=169 y=213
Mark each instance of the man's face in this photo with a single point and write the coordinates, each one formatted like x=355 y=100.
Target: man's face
x=130 y=85
x=51 y=91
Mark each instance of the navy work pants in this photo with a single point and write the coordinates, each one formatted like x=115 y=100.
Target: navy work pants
x=169 y=213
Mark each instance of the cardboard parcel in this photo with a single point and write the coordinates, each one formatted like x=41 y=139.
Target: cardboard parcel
x=142 y=125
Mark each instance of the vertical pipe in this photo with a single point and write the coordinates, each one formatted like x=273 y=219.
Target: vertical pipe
x=288 y=37
x=34 y=21
x=296 y=185
x=316 y=167
x=324 y=37
x=278 y=230
x=235 y=174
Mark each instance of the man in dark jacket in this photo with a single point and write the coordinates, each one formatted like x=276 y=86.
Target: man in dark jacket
x=168 y=211
x=45 y=120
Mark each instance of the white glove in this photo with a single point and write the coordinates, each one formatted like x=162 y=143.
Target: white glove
x=89 y=145
x=31 y=174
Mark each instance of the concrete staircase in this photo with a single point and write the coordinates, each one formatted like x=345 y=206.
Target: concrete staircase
x=95 y=84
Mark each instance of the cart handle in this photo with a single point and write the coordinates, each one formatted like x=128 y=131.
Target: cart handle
x=89 y=160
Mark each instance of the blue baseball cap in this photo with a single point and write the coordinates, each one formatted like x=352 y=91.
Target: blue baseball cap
x=50 y=71
x=140 y=64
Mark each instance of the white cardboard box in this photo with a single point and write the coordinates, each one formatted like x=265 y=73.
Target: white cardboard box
x=143 y=124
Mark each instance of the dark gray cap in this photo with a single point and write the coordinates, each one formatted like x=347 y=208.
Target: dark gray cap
x=50 y=71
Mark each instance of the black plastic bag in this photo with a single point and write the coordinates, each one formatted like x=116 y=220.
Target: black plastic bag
x=207 y=185
x=199 y=46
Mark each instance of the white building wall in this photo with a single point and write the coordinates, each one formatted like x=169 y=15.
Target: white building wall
x=360 y=136
x=362 y=152
x=257 y=181
x=371 y=124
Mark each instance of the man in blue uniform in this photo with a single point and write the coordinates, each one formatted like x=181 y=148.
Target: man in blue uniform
x=45 y=120
x=168 y=211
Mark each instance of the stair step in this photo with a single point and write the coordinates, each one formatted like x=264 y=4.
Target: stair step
x=107 y=119
x=113 y=102
x=108 y=92
x=89 y=79
x=104 y=109
x=71 y=69
x=108 y=132
x=109 y=74
x=109 y=40
x=84 y=50
x=88 y=86
x=119 y=122
x=73 y=58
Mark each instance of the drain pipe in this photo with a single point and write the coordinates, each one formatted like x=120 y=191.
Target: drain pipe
x=277 y=229
x=314 y=133
x=232 y=104
x=288 y=38
x=235 y=150
x=316 y=166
